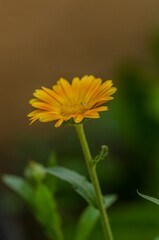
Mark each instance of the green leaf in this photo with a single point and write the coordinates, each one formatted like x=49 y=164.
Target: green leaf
x=109 y=200
x=151 y=199
x=46 y=213
x=78 y=182
x=41 y=201
x=89 y=219
x=156 y=238
x=51 y=181
x=86 y=223
x=52 y=160
x=20 y=186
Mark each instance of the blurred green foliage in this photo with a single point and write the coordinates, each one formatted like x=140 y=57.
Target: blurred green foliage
x=40 y=197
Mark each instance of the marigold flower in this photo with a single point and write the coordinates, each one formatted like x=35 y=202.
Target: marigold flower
x=82 y=99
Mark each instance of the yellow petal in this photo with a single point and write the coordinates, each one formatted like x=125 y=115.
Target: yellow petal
x=58 y=123
x=58 y=99
x=79 y=118
x=42 y=95
x=91 y=114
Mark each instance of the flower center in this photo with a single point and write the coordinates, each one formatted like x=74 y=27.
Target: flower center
x=72 y=109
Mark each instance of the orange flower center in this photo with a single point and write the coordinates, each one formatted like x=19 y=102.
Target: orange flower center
x=72 y=109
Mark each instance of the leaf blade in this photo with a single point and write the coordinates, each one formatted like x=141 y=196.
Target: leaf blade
x=86 y=223
x=78 y=182
x=90 y=217
x=149 y=198
x=45 y=209
x=19 y=185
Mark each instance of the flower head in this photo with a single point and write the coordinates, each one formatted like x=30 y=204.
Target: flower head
x=81 y=99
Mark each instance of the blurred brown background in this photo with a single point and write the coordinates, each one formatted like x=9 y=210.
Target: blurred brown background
x=44 y=40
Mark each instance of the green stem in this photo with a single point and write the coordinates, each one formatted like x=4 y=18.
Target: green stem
x=93 y=176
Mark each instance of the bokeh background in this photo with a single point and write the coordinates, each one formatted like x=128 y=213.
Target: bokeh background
x=42 y=41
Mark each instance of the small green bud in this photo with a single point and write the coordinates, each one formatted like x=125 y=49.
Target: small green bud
x=35 y=171
x=103 y=153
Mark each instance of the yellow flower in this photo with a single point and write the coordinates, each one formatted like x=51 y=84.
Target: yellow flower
x=81 y=99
